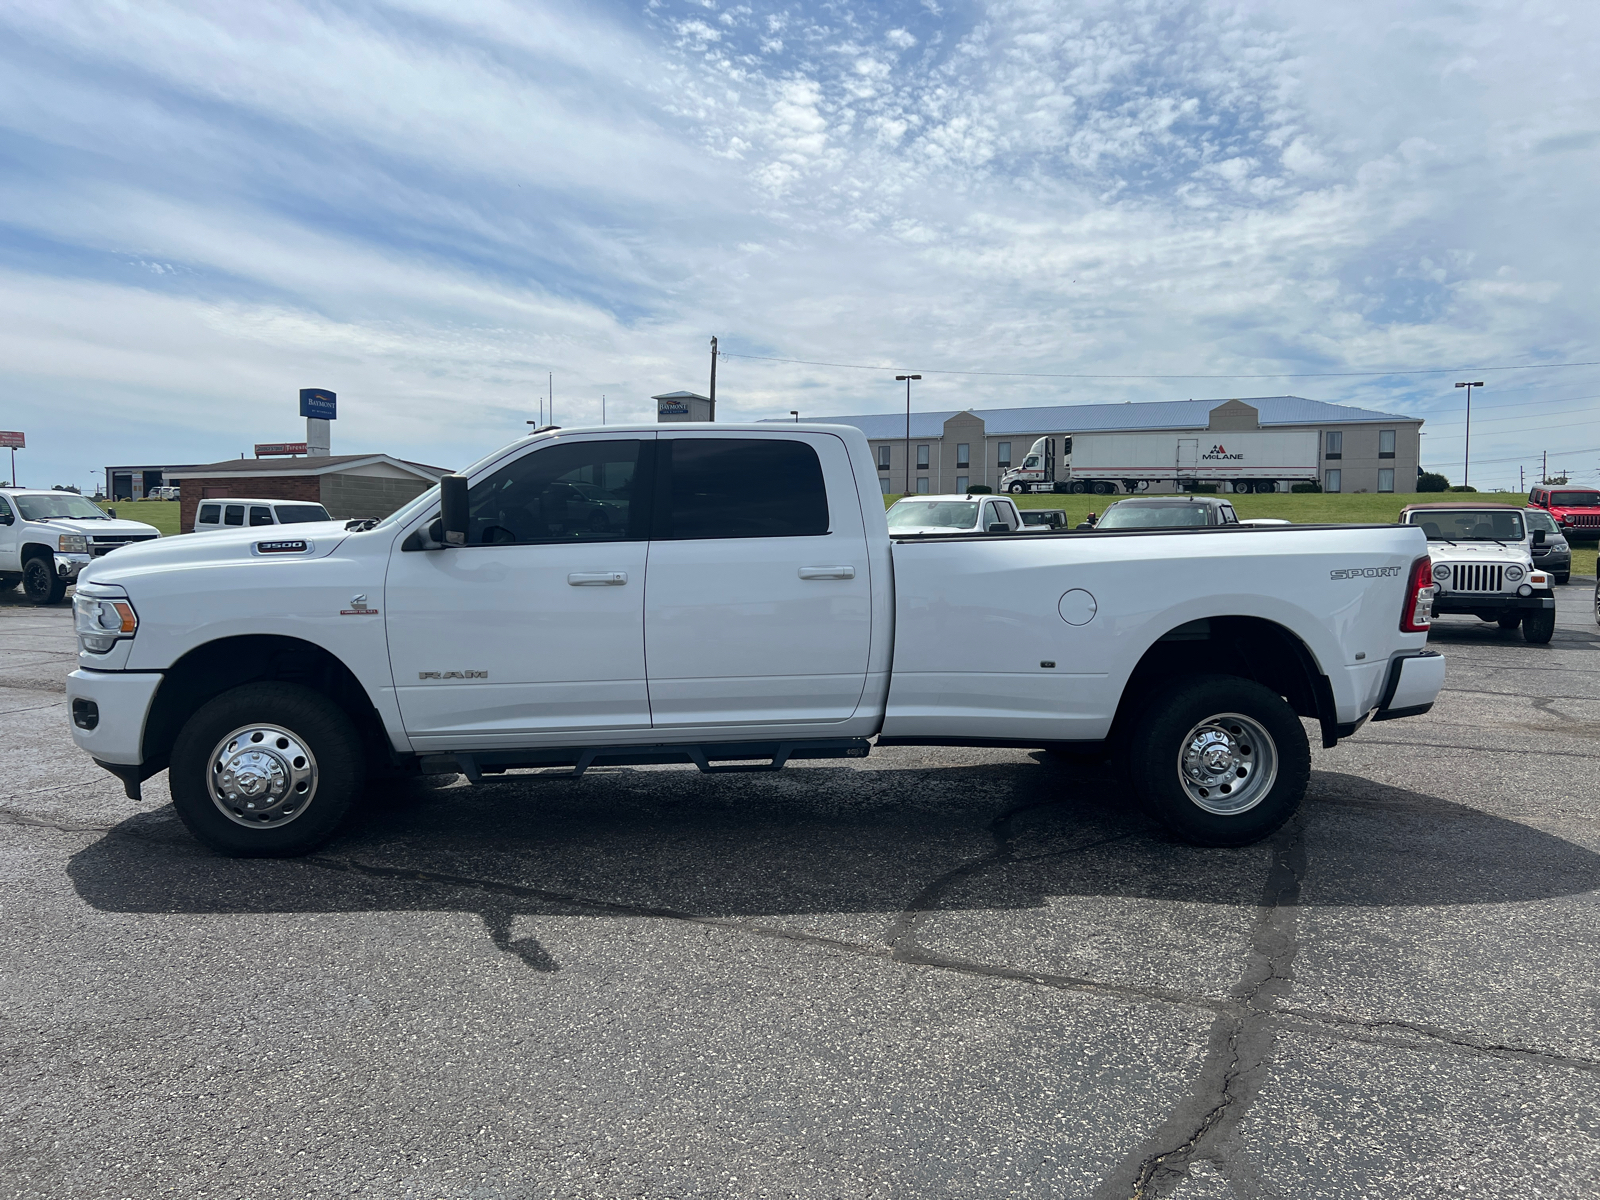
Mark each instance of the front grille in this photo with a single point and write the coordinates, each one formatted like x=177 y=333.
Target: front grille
x=1477 y=577
x=108 y=543
x=1583 y=519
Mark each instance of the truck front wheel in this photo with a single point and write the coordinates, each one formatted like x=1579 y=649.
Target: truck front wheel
x=1510 y=620
x=1220 y=761
x=40 y=581
x=266 y=769
x=1016 y=489
x=1538 y=625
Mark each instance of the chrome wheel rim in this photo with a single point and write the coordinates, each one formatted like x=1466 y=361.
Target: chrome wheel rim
x=261 y=776
x=1227 y=764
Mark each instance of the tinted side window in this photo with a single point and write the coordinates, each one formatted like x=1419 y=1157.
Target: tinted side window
x=260 y=514
x=210 y=514
x=740 y=487
x=233 y=515
x=5 y=512
x=576 y=492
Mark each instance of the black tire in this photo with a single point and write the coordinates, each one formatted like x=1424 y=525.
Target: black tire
x=1266 y=486
x=1016 y=489
x=1170 y=725
x=40 y=581
x=1510 y=620
x=1102 y=488
x=1077 y=487
x=337 y=769
x=1538 y=625
x=1562 y=578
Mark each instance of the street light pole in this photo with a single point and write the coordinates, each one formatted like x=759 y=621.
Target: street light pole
x=908 y=379
x=795 y=413
x=1466 y=455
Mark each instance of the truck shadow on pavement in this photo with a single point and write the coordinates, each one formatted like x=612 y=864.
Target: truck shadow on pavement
x=735 y=849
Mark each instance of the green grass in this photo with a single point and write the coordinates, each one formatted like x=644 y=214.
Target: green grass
x=1314 y=508
x=163 y=514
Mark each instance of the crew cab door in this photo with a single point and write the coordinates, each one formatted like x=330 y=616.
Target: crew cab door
x=533 y=630
x=10 y=553
x=758 y=602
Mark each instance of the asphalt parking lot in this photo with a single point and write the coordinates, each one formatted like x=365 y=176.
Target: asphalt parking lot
x=928 y=973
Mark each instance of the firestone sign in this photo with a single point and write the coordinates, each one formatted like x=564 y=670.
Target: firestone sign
x=268 y=449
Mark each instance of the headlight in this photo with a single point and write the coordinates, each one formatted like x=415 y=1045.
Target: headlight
x=100 y=623
x=1513 y=572
x=1442 y=571
x=73 y=543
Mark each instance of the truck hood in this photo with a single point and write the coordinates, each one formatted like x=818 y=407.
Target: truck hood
x=319 y=538
x=1516 y=552
x=115 y=527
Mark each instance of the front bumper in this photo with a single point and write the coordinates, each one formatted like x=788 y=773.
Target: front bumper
x=1467 y=603
x=107 y=711
x=68 y=565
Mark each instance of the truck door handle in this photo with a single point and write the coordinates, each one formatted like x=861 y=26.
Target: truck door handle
x=597 y=578
x=827 y=572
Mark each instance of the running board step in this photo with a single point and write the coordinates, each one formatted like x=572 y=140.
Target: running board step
x=737 y=757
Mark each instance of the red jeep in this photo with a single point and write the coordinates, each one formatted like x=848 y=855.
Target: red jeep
x=1576 y=509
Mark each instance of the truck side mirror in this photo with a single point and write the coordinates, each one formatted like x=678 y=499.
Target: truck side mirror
x=999 y=527
x=110 y=512
x=1538 y=537
x=453 y=509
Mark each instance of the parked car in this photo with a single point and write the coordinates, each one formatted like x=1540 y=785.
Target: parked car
x=213 y=515
x=1553 y=554
x=953 y=514
x=1575 y=509
x=1483 y=565
x=752 y=607
x=1044 y=518
x=170 y=492
x=48 y=538
x=1166 y=512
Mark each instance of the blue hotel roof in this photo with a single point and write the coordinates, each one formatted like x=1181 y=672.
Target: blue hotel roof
x=1092 y=418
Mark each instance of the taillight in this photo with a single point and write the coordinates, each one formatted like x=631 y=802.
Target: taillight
x=1417 y=615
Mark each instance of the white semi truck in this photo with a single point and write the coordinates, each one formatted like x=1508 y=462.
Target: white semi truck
x=1257 y=460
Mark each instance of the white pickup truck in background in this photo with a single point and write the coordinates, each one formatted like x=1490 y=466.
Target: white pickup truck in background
x=728 y=594
x=47 y=538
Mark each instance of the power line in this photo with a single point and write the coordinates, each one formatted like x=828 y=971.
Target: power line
x=806 y=362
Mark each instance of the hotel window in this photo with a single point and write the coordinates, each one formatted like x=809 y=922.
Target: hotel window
x=1386 y=446
x=1386 y=479
x=883 y=484
x=961 y=483
x=1335 y=447
x=1002 y=456
x=922 y=458
x=922 y=484
x=1333 y=482
x=883 y=458
x=963 y=456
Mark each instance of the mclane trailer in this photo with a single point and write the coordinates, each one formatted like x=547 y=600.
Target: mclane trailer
x=1103 y=463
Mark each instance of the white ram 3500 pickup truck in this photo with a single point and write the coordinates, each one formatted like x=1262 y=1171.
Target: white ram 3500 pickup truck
x=728 y=594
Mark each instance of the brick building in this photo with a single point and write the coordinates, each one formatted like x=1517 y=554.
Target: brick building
x=347 y=485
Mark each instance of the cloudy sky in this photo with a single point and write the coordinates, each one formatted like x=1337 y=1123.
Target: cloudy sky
x=428 y=205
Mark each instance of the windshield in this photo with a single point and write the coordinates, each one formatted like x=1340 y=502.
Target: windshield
x=1575 y=499
x=1470 y=524
x=296 y=514
x=1541 y=520
x=59 y=504
x=941 y=514
x=1155 y=516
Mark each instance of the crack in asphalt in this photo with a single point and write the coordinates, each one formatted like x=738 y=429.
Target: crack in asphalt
x=1424 y=1036
x=1239 y=1047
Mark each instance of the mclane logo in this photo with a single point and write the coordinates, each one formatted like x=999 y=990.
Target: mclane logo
x=297 y=546
x=1220 y=454
x=1363 y=572
x=452 y=674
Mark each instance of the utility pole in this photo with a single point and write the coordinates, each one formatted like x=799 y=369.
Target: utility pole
x=713 y=413
x=602 y=408
x=550 y=382
x=795 y=413
x=1466 y=454
x=1544 y=467
x=1522 y=484
x=908 y=379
